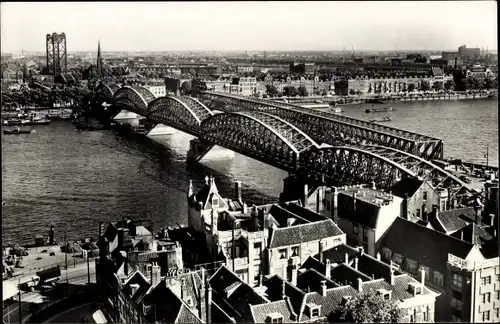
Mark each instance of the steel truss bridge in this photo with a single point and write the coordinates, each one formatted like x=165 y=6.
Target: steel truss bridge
x=274 y=135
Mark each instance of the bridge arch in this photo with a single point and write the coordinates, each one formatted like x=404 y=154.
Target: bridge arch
x=261 y=136
x=341 y=165
x=178 y=113
x=134 y=99
x=105 y=91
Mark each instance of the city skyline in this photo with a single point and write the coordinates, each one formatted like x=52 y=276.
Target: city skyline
x=252 y=26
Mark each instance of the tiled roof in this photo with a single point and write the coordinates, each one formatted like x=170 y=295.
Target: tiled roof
x=260 y=312
x=310 y=281
x=275 y=290
x=313 y=263
x=419 y=244
x=304 y=212
x=455 y=219
x=185 y=315
x=329 y=302
x=303 y=233
x=337 y=253
x=406 y=185
x=374 y=268
x=345 y=275
x=473 y=234
x=399 y=289
x=165 y=305
x=366 y=213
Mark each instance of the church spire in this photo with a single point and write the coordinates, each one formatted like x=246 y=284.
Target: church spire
x=99 y=59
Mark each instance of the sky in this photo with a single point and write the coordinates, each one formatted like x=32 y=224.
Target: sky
x=251 y=26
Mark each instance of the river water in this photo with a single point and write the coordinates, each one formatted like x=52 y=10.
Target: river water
x=74 y=179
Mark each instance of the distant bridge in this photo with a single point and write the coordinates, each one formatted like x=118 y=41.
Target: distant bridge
x=280 y=135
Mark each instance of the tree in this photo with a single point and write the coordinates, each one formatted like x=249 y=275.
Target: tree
x=449 y=85
x=425 y=85
x=352 y=92
x=303 y=91
x=367 y=308
x=490 y=84
x=473 y=84
x=438 y=85
x=290 y=91
x=411 y=87
x=271 y=90
x=186 y=88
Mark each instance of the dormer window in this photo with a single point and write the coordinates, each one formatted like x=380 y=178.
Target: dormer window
x=314 y=310
x=295 y=251
x=274 y=318
x=385 y=294
x=415 y=289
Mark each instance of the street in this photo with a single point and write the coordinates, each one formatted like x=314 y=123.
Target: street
x=77 y=279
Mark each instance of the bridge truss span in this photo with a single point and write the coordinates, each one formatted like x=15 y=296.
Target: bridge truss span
x=341 y=165
x=330 y=128
x=175 y=112
x=439 y=179
x=260 y=136
x=134 y=99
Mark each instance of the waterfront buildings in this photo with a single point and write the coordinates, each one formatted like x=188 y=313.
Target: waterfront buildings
x=157 y=89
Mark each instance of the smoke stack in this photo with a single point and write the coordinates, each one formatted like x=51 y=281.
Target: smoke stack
x=237 y=191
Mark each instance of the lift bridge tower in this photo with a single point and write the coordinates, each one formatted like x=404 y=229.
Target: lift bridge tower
x=57 y=55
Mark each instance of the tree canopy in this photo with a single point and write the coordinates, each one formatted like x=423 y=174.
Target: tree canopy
x=290 y=91
x=303 y=91
x=367 y=308
x=271 y=90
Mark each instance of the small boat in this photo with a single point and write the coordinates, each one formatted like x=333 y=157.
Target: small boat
x=337 y=110
x=16 y=131
x=384 y=109
x=380 y=120
x=12 y=122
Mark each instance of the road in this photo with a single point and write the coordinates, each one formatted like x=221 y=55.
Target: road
x=77 y=279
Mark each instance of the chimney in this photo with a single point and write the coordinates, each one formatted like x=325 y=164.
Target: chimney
x=51 y=235
x=320 y=251
x=462 y=235
x=237 y=191
x=346 y=258
x=290 y=221
x=207 y=179
x=453 y=203
x=209 y=304
x=404 y=206
x=360 y=285
x=356 y=260
x=491 y=219
x=378 y=256
x=392 y=276
x=422 y=276
x=328 y=269
x=306 y=195
x=155 y=274
x=261 y=279
x=294 y=275
x=323 y=288
x=245 y=208
x=361 y=250
x=373 y=187
x=335 y=205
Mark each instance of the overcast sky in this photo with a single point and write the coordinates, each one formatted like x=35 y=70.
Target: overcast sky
x=191 y=26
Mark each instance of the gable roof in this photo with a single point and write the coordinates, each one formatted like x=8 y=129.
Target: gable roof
x=329 y=302
x=275 y=292
x=137 y=278
x=346 y=275
x=310 y=281
x=337 y=253
x=455 y=219
x=419 y=244
x=399 y=290
x=302 y=233
x=473 y=234
x=261 y=312
x=406 y=185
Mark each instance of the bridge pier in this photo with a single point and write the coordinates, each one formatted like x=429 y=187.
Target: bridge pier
x=202 y=150
x=161 y=129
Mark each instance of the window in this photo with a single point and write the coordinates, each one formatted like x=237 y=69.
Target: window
x=486 y=280
x=497 y=297
x=315 y=312
x=215 y=202
x=295 y=251
x=258 y=250
x=411 y=266
x=438 y=279
x=486 y=316
x=355 y=229
x=486 y=298
x=282 y=253
x=365 y=234
x=498 y=312
x=425 y=195
x=426 y=314
x=457 y=304
x=457 y=280
x=418 y=213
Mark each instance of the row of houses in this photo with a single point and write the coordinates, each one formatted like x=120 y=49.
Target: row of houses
x=297 y=261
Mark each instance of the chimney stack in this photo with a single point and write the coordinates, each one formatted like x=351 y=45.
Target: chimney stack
x=237 y=191
x=155 y=274
x=321 y=251
x=422 y=276
x=404 y=206
x=346 y=258
x=360 y=285
x=323 y=288
x=378 y=256
x=284 y=272
x=328 y=269
x=245 y=209
x=335 y=204
x=294 y=275
x=306 y=195
x=392 y=275
x=356 y=260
